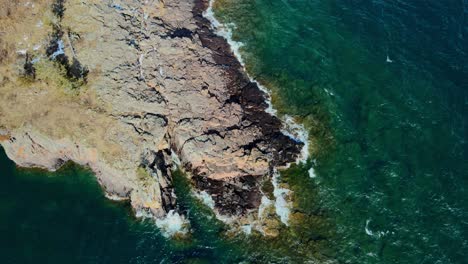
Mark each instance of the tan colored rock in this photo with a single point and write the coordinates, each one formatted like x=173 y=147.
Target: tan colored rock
x=159 y=82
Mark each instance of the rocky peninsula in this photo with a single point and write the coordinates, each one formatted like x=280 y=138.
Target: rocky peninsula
x=133 y=89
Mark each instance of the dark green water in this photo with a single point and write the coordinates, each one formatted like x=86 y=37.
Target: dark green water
x=389 y=133
x=63 y=217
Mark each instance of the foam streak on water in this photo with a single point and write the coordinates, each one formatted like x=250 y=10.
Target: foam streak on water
x=298 y=133
x=377 y=234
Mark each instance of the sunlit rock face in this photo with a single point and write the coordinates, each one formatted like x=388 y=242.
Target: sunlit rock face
x=123 y=87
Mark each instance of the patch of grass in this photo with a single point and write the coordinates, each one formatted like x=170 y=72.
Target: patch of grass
x=143 y=174
x=55 y=74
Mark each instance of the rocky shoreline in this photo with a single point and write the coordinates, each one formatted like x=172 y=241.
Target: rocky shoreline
x=163 y=90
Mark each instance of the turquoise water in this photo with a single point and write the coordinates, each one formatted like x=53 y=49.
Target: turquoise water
x=389 y=148
x=383 y=89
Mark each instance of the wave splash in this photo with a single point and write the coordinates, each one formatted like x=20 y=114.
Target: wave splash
x=173 y=224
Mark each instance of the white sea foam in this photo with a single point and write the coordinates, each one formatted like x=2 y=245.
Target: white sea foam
x=247 y=229
x=264 y=205
x=329 y=92
x=270 y=108
x=173 y=224
x=282 y=203
x=368 y=231
x=377 y=234
x=175 y=160
x=312 y=172
x=143 y=214
x=389 y=60
x=114 y=197
x=298 y=133
x=224 y=218
x=205 y=198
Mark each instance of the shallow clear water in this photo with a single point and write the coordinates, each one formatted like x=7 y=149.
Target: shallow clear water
x=383 y=88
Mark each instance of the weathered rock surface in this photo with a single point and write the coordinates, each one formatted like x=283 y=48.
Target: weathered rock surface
x=160 y=84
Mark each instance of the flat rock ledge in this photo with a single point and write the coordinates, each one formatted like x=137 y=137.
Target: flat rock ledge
x=166 y=91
